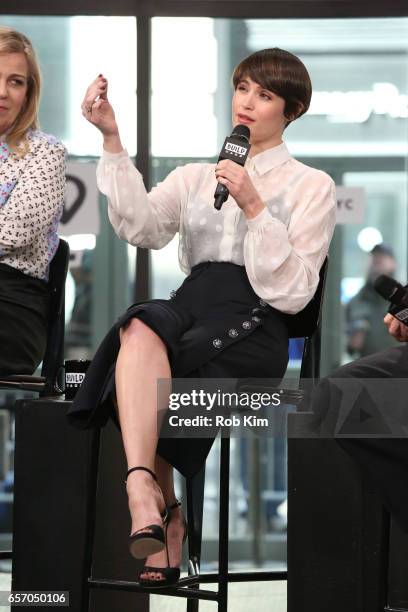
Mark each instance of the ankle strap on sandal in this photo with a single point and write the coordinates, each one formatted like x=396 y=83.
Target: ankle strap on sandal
x=141 y=467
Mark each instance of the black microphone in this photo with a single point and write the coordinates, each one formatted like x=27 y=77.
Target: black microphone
x=235 y=147
x=395 y=293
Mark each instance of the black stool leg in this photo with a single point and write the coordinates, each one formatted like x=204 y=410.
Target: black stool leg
x=54 y=472
x=195 y=505
x=223 y=526
x=375 y=535
x=91 y=513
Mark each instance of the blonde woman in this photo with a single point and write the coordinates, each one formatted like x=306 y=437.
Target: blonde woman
x=32 y=184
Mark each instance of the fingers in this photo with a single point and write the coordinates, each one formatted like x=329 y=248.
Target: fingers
x=232 y=172
x=226 y=165
x=224 y=181
x=404 y=334
x=239 y=184
x=97 y=90
x=388 y=318
x=98 y=104
x=394 y=327
x=401 y=336
x=398 y=330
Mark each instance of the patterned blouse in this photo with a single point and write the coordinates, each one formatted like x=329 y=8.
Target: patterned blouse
x=32 y=192
x=282 y=248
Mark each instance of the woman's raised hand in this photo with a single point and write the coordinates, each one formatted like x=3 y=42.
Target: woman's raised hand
x=97 y=109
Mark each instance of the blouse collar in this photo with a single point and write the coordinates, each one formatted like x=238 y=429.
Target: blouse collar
x=270 y=158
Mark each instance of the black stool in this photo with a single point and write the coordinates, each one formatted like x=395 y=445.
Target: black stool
x=63 y=531
x=50 y=381
x=306 y=324
x=344 y=551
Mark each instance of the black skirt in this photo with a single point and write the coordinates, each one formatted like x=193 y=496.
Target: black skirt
x=24 y=303
x=214 y=326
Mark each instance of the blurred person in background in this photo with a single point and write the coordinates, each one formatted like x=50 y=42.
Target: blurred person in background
x=366 y=332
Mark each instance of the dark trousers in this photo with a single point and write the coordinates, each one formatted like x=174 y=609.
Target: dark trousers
x=384 y=460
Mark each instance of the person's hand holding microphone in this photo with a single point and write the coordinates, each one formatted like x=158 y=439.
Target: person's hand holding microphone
x=240 y=186
x=233 y=178
x=396 y=328
x=397 y=319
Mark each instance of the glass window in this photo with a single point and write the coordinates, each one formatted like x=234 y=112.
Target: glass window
x=72 y=52
x=359 y=76
x=183 y=119
x=184 y=124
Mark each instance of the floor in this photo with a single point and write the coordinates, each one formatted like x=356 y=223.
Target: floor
x=5 y=586
x=244 y=597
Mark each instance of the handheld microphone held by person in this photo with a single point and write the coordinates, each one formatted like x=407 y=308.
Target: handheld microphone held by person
x=395 y=293
x=236 y=147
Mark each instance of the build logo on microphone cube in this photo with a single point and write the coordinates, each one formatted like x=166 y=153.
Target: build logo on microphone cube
x=235 y=149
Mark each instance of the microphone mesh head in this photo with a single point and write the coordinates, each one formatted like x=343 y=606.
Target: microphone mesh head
x=241 y=130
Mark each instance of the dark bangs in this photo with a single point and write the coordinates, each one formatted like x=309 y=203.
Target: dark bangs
x=280 y=72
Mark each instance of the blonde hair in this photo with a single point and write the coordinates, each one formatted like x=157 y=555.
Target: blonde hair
x=12 y=41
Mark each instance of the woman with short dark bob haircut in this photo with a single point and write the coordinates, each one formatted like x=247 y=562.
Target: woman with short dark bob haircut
x=247 y=265
x=281 y=73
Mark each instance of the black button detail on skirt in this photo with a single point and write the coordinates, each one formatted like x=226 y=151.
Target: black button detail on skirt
x=215 y=298
x=233 y=333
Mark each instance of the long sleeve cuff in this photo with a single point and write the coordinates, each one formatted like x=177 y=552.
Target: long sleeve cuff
x=113 y=158
x=261 y=220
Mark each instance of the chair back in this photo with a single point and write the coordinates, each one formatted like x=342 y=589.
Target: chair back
x=307 y=324
x=303 y=324
x=54 y=352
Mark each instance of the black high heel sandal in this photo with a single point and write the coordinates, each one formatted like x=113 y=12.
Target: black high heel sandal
x=143 y=543
x=171 y=575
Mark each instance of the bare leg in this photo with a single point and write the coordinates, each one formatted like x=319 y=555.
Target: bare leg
x=141 y=361
x=175 y=529
x=164 y=472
